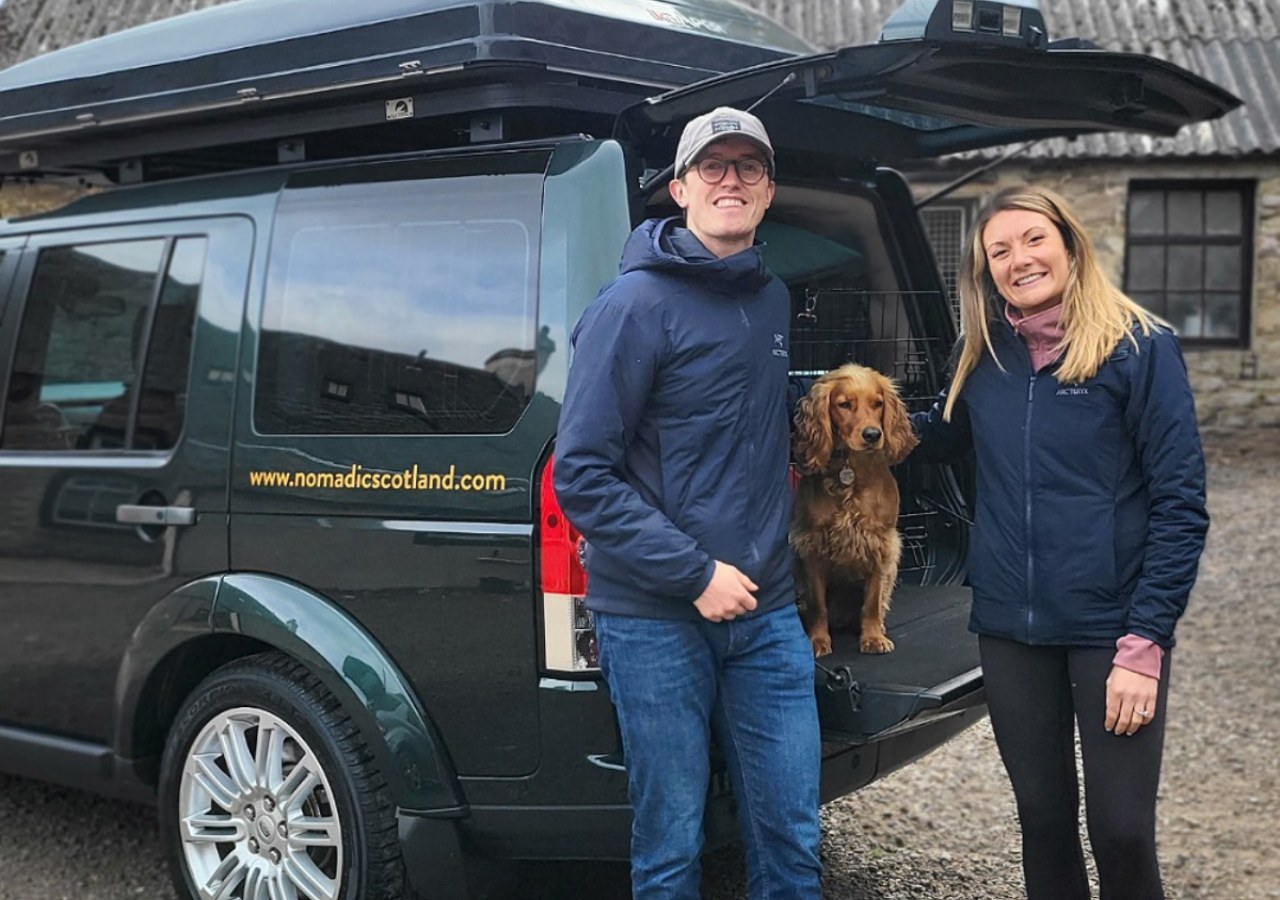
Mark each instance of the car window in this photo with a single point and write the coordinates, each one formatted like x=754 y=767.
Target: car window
x=401 y=306
x=165 y=373
x=90 y=328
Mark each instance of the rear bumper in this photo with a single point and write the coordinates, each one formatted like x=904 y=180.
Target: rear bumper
x=603 y=832
x=847 y=767
x=434 y=861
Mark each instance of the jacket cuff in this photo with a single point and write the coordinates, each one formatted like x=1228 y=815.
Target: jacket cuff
x=705 y=580
x=1137 y=654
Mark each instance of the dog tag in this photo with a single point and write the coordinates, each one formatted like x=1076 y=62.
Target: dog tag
x=846 y=476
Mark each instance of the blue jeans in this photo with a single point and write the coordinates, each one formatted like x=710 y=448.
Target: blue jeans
x=750 y=682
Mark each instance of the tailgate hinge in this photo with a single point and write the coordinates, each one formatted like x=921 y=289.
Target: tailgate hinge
x=841 y=681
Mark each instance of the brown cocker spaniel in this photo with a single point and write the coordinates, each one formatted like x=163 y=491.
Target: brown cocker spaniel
x=850 y=429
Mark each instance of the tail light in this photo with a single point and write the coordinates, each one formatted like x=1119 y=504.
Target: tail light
x=568 y=632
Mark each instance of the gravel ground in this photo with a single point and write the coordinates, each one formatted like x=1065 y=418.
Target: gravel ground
x=945 y=828
x=942 y=829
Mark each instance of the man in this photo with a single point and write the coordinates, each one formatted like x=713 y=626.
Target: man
x=672 y=460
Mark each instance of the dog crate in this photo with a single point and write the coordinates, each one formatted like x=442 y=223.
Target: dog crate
x=839 y=324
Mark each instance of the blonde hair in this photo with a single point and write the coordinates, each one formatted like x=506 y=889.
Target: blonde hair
x=1096 y=315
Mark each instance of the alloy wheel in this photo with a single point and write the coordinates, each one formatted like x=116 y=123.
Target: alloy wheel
x=256 y=815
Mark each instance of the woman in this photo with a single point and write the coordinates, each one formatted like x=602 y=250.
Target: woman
x=1089 y=526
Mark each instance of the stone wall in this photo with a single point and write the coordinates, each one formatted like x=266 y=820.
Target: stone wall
x=18 y=198
x=1234 y=388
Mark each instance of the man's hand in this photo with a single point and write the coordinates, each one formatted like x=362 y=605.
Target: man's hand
x=727 y=596
x=1131 y=701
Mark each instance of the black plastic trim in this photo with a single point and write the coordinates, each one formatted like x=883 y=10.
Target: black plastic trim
x=76 y=764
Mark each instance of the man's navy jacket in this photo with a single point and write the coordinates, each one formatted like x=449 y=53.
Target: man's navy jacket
x=673 y=444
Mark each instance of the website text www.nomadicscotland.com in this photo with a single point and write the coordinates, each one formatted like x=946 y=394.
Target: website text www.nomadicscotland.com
x=357 y=479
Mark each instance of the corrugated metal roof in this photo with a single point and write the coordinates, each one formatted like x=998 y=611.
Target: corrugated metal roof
x=1235 y=43
x=1144 y=25
x=1134 y=25
x=38 y=26
x=830 y=23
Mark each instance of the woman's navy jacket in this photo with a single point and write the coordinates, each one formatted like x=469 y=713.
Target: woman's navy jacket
x=1091 y=512
x=674 y=441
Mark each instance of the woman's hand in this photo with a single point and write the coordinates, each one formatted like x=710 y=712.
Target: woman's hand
x=1131 y=700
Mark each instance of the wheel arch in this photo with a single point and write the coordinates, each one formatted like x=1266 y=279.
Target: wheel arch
x=219 y=619
x=169 y=652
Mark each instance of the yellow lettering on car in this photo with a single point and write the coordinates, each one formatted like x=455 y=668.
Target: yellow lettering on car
x=356 y=478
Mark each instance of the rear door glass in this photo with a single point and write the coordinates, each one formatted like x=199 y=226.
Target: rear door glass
x=402 y=306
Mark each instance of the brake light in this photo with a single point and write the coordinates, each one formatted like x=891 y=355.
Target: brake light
x=568 y=631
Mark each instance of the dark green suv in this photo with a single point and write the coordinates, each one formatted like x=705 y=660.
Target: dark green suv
x=279 y=550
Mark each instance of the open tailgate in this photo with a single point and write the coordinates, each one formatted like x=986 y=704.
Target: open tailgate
x=932 y=672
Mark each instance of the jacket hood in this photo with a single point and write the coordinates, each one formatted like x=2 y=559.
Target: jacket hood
x=666 y=245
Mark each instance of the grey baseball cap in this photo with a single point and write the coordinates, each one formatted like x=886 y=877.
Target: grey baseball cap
x=723 y=122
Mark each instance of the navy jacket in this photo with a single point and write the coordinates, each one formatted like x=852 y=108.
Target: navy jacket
x=1091 y=512
x=674 y=441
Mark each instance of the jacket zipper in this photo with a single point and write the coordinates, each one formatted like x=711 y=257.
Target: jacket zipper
x=751 y=414
x=1026 y=489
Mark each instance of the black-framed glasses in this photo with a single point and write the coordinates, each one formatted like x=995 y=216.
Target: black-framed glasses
x=712 y=170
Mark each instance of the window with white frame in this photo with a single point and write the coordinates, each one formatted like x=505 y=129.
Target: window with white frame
x=1189 y=257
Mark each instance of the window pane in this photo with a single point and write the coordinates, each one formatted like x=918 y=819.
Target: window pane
x=1196 y=268
x=1150 y=301
x=78 y=344
x=1186 y=212
x=1146 y=268
x=402 y=307
x=1146 y=212
x=1223 y=212
x=1222 y=268
x=1184 y=314
x=1186 y=266
x=1222 y=315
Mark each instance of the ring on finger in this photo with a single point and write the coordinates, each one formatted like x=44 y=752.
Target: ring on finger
x=1143 y=713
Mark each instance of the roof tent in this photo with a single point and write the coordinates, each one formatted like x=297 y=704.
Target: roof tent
x=257 y=81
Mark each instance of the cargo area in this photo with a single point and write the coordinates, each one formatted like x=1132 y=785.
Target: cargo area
x=857 y=296
x=934 y=664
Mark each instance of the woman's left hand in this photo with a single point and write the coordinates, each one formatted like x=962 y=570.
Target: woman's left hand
x=1131 y=700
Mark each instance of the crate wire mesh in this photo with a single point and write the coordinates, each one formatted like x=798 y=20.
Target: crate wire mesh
x=834 y=325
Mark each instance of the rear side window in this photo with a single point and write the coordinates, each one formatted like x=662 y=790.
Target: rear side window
x=401 y=305
x=104 y=347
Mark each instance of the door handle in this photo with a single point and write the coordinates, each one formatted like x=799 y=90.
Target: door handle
x=128 y=514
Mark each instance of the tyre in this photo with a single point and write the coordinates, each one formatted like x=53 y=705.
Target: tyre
x=268 y=792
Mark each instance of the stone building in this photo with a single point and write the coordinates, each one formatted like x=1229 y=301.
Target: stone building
x=1189 y=225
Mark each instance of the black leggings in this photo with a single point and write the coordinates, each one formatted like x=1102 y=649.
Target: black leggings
x=1036 y=695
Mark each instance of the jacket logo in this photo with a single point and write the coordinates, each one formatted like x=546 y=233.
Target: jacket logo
x=778 y=348
x=1073 y=392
